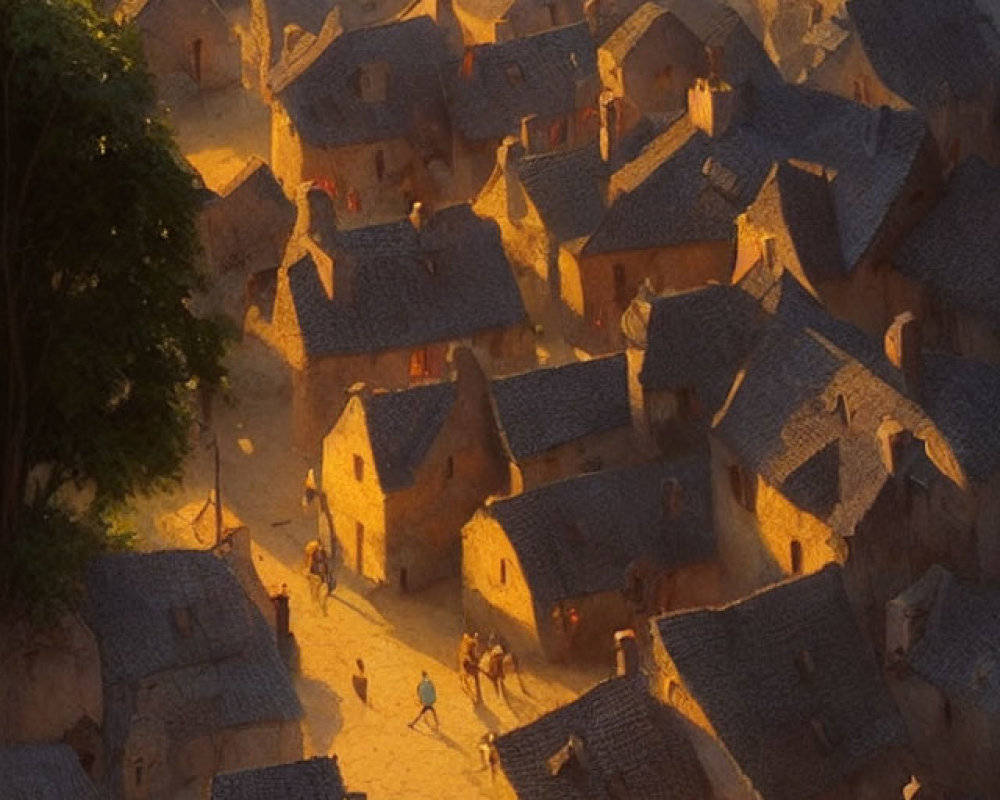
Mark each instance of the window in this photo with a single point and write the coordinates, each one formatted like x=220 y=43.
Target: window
x=196 y=52
x=137 y=765
x=359 y=548
x=359 y=468
x=418 y=364
x=449 y=467
x=621 y=289
x=664 y=78
x=861 y=90
x=403 y=579
x=743 y=486
x=557 y=133
x=688 y=406
x=816 y=15
x=796 y=557
x=515 y=77
x=503 y=571
x=842 y=411
x=379 y=165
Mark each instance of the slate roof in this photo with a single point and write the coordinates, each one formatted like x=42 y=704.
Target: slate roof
x=227 y=669
x=917 y=45
x=795 y=206
x=489 y=104
x=320 y=90
x=566 y=186
x=552 y=406
x=43 y=772
x=578 y=536
x=402 y=426
x=400 y=288
x=962 y=397
x=956 y=247
x=626 y=736
x=744 y=666
x=316 y=779
x=627 y=35
x=688 y=187
x=959 y=650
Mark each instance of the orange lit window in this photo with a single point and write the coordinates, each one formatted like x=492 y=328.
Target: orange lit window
x=418 y=364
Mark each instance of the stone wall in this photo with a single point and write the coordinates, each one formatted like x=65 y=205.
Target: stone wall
x=598 y=451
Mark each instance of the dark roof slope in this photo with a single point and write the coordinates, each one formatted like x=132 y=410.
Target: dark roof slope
x=959 y=650
x=316 y=779
x=43 y=772
x=320 y=91
x=779 y=672
x=917 y=46
x=402 y=426
x=627 y=738
x=627 y=35
x=536 y=74
x=956 y=247
x=184 y=612
x=397 y=287
x=552 y=406
x=578 y=536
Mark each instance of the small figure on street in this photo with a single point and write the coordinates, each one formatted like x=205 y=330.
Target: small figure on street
x=488 y=755
x=360 y=682
x=427 y=697
x=468 y=667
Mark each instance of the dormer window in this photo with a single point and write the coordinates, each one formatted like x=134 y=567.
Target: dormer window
x=514 y=74
x=373 y=81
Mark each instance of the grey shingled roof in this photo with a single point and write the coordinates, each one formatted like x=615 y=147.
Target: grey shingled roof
x=956 y=247
x=545 y=408
x=43 y=772
x=962 y=397
x=228 y=669
x=487 y=105
x=687 y=187
x=319 y=91
x=916 y=46
x=959 y=650
x=402 y=426
x=578 y=536
x=627 y=737
x=401 y=288
x=316 y=779
x=739 y=664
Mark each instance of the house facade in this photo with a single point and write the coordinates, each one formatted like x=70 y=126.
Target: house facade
x=494 y=21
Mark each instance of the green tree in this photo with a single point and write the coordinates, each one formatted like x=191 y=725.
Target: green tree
x=99 y=255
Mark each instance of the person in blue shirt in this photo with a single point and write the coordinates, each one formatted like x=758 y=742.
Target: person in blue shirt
x=427 y=697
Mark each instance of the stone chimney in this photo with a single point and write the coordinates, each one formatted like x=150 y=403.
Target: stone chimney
x=608 y=137
x=902 y=348
x=294 y=39
x=712 y=106
x=626 y=653
x=316 y=218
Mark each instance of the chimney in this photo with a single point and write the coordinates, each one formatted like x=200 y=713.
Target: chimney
x=509 y=155
x=712 y=106
x=317 y=218
x=626 y=653
x=534 y=135
x=360 y=389
x=608 y=111
x=875 y=133
x=293 y=37
x=902 y=348
x=418 y=216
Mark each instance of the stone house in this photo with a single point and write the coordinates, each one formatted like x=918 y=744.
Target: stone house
x=318 y=778
x=790 y=691
x=556 y=422
x=189 y=45
x=542 y=88
x=945 y=269
x=363 y=111
x=494 y=21
x=385 y=304
x=403 y=471
x=614 y=741
x=551 y=569
x=193 y=683
x=43 y=772
x=244 y=232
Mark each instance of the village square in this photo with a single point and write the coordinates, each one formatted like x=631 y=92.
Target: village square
x=602 y=403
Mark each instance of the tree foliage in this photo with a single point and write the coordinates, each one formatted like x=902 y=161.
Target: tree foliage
x=99 y=254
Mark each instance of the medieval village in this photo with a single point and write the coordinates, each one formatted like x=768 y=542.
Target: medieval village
x=610 y=409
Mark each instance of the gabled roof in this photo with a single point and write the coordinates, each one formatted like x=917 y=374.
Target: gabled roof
x=402 y=426
x=397 y=287
x=795 y=206
x=578 y=536
x=552 y=406
x=320 y=90
x=956 y=247
x=919 y=46
x=307 y=14
x=628 y=740
x=627 y=35
x=959 y=649
x=184 y=612
x=688 y=187
x=789 y=684
x=509 y=80
x=43 y=772
x=316 y=779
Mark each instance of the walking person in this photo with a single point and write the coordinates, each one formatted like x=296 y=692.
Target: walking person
x=427 y=697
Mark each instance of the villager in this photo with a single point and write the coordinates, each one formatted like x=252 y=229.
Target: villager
x=427 y=696
x=468 y=667
x=488 y=755
x=360 y=682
